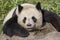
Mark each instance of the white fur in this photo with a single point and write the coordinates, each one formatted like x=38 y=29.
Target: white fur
x=28 y=11
x=9 y=14
x=25 y=6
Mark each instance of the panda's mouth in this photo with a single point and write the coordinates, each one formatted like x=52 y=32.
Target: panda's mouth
x=29 y=29
x=32 y=29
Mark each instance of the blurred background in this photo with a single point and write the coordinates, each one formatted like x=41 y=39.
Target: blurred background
x=7 y=5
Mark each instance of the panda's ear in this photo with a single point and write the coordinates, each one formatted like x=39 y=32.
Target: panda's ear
x=20 y=8
x=38 y=6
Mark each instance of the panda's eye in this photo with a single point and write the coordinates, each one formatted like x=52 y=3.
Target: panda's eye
x=34 y=19
x=24 y=20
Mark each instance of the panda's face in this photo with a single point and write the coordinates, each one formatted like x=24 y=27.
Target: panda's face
x=30 y=18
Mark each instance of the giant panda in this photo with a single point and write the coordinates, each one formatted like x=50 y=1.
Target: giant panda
x=26 y=19
x=22 y=18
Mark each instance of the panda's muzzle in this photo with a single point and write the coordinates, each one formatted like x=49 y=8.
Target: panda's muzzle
x=28 y=24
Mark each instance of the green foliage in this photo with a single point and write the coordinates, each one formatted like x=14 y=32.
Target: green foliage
x=7 y=5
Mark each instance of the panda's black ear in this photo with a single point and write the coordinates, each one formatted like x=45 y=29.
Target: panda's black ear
x=20 y=8
x=38 y=6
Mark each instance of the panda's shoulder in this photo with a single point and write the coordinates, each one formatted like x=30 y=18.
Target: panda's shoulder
x=9 y=14
x=47 y=13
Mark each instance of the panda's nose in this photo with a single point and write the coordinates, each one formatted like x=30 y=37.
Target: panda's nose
x=28 y=24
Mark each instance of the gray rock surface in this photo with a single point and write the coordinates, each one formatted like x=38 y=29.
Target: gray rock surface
x=47 y=33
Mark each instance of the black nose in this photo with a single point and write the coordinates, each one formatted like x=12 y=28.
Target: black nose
x=28 y=24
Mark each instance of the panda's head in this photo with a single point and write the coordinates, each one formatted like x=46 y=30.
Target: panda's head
x=29 y=16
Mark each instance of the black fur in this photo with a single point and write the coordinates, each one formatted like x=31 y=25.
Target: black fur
x=24 y=20
x=11 y=27
x=34 y=19
x=52 y=18
x=38 y=6
x=19 y=8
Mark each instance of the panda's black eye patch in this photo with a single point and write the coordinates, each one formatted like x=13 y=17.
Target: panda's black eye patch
x=34 y=19
x=24 y=20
